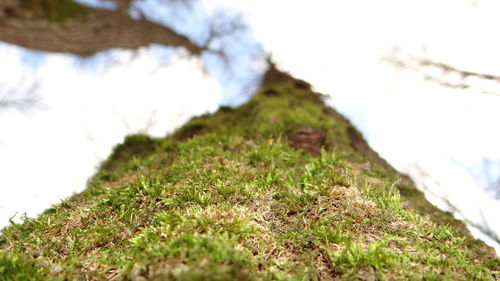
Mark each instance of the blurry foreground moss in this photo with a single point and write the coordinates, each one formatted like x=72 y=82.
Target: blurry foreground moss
x=282 y=188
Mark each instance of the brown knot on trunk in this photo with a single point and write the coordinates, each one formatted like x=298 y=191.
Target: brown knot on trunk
x=307 y=139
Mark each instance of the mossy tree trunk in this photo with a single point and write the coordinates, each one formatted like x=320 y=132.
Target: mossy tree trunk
x=282 y=188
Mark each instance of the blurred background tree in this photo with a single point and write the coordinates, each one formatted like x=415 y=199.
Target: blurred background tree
x=70 y=27
x=88 y=27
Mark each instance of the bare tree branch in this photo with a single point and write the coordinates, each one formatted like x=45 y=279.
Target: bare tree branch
x=221 y=26
x=21 y=100
x=444 y=74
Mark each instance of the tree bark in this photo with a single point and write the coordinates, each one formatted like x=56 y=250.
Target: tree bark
x=92 y=31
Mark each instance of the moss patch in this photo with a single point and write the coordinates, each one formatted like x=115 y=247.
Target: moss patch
x=278 y=189
x=54 y=10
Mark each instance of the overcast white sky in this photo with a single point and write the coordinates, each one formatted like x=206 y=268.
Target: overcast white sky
x=335 y=45
x=49 y=153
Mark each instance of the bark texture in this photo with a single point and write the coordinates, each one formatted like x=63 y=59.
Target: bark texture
x=81 y=30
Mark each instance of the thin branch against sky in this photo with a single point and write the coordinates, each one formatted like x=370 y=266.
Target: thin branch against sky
x=444 y=73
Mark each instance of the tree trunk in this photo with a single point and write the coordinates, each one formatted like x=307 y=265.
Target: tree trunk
x=280 y=188
x=81 y=30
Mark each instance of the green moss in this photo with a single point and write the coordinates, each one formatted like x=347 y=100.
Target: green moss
x=16 y=267
x=127 y=156
x=227 y=198
x=55 y=10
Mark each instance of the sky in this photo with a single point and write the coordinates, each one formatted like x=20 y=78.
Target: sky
x=423 y=129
